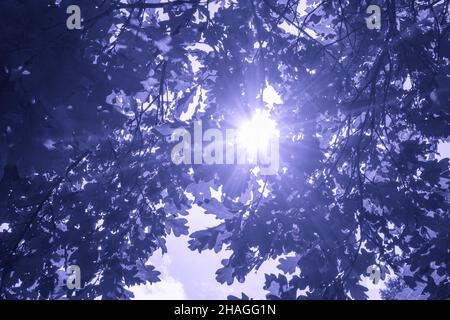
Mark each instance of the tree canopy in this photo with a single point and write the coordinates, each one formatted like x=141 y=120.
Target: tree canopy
x=86 y=175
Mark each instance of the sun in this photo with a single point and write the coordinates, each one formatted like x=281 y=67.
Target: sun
x=255 y=134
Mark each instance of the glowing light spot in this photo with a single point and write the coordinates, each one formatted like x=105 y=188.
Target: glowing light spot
x=255 y=134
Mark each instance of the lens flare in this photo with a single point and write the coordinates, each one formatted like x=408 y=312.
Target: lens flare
x=255 y=134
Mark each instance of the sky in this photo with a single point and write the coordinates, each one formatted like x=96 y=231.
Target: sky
x=186 y=274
